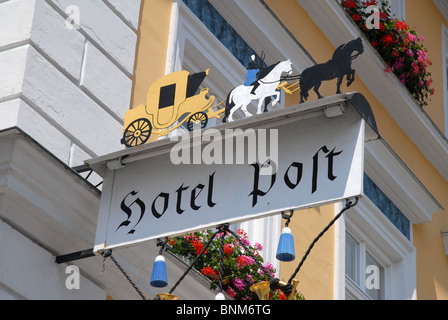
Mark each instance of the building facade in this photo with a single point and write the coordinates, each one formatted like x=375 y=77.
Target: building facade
x=70 y=71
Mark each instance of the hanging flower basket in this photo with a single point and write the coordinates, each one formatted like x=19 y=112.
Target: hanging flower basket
x=399 y=46
x=240 y=270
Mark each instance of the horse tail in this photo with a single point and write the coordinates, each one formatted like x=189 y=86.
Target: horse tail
x=229 y=105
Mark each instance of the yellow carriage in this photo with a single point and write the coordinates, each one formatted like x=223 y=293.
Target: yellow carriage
x=171 y=102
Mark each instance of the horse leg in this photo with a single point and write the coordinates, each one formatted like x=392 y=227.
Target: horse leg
x=340 y=78
x=303 y=95
x=316 y=89
x=230 y=116
x=267 y=100
x=234 y=108
x=277 y=97
x=350 y=77
x=244 y=108
x=260 y=105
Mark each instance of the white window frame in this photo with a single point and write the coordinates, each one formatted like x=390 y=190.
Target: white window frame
x=398 y=8
x=357 y=291
x=365 y=221
x=382 y=240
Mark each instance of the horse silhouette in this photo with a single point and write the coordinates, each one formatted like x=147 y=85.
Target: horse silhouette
x=339 y=66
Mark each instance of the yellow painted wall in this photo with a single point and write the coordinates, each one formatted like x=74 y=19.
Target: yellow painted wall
x=425 y=18
x=316 y=276
x=432 y=262
x=152 y=45
x=432 y=265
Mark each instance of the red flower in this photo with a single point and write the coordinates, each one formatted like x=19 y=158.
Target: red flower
x=198 y=246
x=349 y=4
x=228 y=249
x=401 y=26
x=356 y=17
x=369 y=3
x=387 y=40
x=209 y=272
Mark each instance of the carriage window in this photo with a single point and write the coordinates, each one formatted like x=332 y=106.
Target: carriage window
x=167 y=95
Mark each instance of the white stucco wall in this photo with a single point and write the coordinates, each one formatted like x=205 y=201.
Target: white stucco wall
x=68 y=89
x=74 y=83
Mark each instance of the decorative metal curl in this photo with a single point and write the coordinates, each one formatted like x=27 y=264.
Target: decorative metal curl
x=287 y=217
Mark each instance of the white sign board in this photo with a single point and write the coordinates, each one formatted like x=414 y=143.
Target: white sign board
x=320 y=161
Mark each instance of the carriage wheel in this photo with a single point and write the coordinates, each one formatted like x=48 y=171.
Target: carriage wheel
x=197 y=121
x=137 y=133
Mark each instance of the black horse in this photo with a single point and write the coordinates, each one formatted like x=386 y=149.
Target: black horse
x=339 y=66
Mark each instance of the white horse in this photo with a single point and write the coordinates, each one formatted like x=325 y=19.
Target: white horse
x=266 y=86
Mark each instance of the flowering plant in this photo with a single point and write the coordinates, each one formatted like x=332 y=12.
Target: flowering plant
x=240 y=270
x=399 y=46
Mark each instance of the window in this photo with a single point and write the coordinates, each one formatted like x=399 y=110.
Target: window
x=374 y=260
x=374 y=278
x=352 y=258
x=364 y=271
x=398 y=8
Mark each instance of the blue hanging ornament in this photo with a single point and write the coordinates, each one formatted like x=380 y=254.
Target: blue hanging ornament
x=285 y=249
x=159 y=278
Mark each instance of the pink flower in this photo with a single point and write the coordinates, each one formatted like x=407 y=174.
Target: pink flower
x=403 y=78
x=415 y=67
x=398 y=63
x=239 y=284
x=258 y=246
x=421 y=53
x=411 y=37
x=269 y=267
x=410 y=53
x=244 y=261
x=231 y=292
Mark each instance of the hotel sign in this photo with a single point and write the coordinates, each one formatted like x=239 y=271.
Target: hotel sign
x=146 y=195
